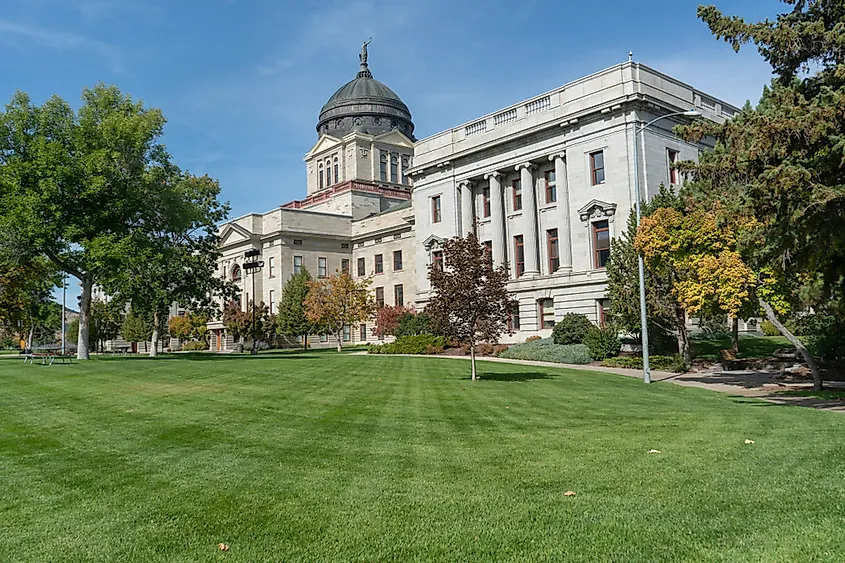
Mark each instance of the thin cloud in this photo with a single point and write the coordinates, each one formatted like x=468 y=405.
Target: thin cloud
x=58 y=40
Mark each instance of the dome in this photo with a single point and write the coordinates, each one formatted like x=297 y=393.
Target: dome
x=365 y=105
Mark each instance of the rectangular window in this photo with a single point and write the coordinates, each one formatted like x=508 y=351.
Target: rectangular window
x=437 y=259
x=271 y=266
x=485 y=202
x=344 y=266
x=321 y=176
x=272 y=301
x=405 y=165
x=382 y=166
x=347 y=333
x=380 y=297
x=394 y=169
x=519 y=255
x=336 y=171
x=513 y=319
x=362 y=332
x=362 y=267
x=551 y=187
x=398 y=295
x=552 y=244
x=547 y=313
x=517 y=195
x=672 y=157
x=604 y=309
x=324 y=338
x=435 y=209
x=379 y=264
x=488 y=251
x=601 y=243
x=397 y=260
x=322 y=268
x=597 y=167
x=297 y=264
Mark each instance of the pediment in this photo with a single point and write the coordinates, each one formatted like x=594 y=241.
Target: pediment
x=597 y=209
x=324 y=143
x=395 y=138
x=433 y=241
x=232 y=233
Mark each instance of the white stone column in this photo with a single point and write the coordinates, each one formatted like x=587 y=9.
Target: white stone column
x=497 y=219
x=565 y=236
x=529 y=218
x=466 y=207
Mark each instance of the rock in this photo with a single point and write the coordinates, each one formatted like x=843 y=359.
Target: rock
x=787 y=354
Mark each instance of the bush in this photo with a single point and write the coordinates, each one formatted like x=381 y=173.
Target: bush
x=673 y=363
x=603 y=342
x=545 y=350
x=533 y=338
x=824 y=336
x=417 y=344
x=411 y=324
x=769 y=329
x=194 y=345
x=571 y=329
x=484 y=349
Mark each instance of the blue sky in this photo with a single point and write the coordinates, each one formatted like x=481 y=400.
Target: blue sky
x=242 y=83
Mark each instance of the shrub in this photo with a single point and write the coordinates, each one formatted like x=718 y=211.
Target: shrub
x=824 y=336
x=417 y=344
x=194 y=345
x=674 y=363
x=769 y=329
x=533 y=338
x=484 y=349
x=603 y=342
x=545 y=350
x=410 y=323
x=571 y=329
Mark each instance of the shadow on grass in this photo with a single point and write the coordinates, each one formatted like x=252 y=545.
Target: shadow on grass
x=211 y=357
x=513 y=377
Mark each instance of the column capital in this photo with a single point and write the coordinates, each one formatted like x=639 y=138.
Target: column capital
x=561 y=155
x=467 y=183
x=494 y=174
x=526 y=165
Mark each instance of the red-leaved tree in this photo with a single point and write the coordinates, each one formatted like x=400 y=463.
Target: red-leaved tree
x=387 y=319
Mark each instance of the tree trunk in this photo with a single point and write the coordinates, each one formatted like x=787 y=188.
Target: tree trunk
x=472 y=360
x=304 y=342
x=154 y=337
x=683 y=337
x=84 y=318
x=339 y=336
x=29 y=337
x=808 y=357
x=735 y=335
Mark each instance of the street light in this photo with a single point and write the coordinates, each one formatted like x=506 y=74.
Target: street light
x=252 y=268
x=640 y=263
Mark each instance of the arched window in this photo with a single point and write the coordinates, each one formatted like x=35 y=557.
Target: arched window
x=394 y=166
x=236 y=273
x=321 y=175
x=336 y=170
x=328 y=173
x=406 y=163
x=382 y=167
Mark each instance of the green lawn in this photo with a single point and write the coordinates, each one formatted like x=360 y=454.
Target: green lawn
x=316 y=457
x=750 y=346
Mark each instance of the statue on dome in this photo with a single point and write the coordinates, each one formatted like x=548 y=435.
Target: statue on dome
x=363 y=56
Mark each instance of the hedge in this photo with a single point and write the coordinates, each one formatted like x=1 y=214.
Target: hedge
x=545 y=350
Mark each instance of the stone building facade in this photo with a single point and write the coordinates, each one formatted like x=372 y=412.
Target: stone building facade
x=545 y=183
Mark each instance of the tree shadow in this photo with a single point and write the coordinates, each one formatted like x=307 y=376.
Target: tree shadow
x=513 y=376
x=209 y=357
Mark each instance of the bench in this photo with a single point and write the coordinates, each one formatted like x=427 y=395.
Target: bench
x=47 y=359
x=730 y=362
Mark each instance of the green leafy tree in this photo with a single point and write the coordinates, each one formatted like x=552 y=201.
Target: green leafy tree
x=25 y=289
x=136 y=327
x=73 y=184
x=470 y=301
x=411 y=323
x=291 y=319
x=106 y=321
x=337 y=301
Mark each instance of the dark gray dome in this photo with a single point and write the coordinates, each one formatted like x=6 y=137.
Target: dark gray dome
x=365 y=105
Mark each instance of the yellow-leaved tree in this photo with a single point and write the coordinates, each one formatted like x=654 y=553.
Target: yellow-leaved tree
x=337 y=301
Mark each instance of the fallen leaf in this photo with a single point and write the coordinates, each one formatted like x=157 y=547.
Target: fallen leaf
x=569 y=494
x=223 y=547
x=750 y=441
x=654 y=451
x=507 y=407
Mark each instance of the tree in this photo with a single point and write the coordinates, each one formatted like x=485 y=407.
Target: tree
x=388 y=317
x=171 y=255
x=239 y=323
x=181 y=328
x=291 y=319
x=470 y=301
x=106 y=321
x=665 y=314
x=136 y=328
x=411 y=323
x=72 y=184
x=25 y=289
x=337 y=301
x=779 y=164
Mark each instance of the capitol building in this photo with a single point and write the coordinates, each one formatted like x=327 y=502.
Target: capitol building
x=545 y=183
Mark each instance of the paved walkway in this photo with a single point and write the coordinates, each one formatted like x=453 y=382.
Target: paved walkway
x=757 y=385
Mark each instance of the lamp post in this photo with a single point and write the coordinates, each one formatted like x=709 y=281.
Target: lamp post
x=253 y=267
x=64 y=299
x=640 y=262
